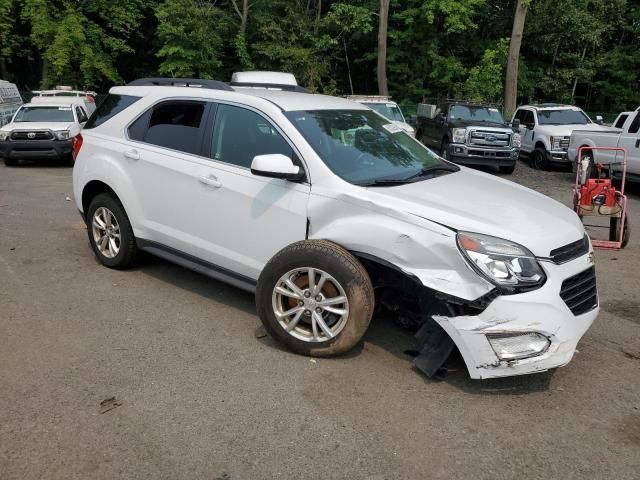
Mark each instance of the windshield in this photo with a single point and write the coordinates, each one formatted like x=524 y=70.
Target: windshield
x=364 y=149
x=390 y=111
x=44 y=114
x=476 y=114
x=562 y=117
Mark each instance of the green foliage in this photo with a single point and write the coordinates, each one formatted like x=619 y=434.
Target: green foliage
x=191 y=33
x=582 y=51
x=485 y=80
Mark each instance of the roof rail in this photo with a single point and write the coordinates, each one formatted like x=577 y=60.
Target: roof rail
x=271 y=86
x=179 y=82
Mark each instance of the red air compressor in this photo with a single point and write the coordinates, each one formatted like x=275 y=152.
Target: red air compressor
x=598 y=197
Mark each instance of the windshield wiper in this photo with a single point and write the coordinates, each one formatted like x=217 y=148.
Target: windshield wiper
x=430 y=172
x=383 y=183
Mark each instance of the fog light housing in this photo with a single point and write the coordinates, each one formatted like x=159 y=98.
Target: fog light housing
x=516 y=346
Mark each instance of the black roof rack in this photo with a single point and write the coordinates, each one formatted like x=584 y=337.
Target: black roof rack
x=272 y=86
x=180 y=82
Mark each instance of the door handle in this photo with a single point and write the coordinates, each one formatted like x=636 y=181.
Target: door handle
x=210 y=180
x=132 y=155
x=638 y=143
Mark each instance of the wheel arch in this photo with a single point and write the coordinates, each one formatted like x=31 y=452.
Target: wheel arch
x=93 y=189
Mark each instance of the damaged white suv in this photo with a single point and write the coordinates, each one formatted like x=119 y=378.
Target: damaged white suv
x=325 y=210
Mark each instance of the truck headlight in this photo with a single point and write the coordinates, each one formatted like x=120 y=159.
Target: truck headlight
x=459 y=135
x=516 y=140
x=62 y=134
x=506 y=264
x=555 y=143
x=4 y=135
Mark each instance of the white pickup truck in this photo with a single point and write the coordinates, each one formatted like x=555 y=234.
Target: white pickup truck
x=628 y=138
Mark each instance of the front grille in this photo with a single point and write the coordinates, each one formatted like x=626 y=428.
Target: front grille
x=488 y=138
x=570 y=251
x=490 y=153
x=580 y=293
x=41 y=135
x=564 y=143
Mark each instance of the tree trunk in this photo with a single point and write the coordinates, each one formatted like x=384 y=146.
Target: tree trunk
x=4 y=73
x=346 y=57
x=575 y=80
x=44 y=83
x=245 y=15
x=511 y=82
x=383 y=88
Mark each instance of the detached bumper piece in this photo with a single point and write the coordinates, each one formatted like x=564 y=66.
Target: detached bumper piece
x=35 y=149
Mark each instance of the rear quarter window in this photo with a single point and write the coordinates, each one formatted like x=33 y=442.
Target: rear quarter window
x=110 y=106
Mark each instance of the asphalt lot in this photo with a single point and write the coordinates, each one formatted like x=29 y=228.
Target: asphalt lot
x=199 y=396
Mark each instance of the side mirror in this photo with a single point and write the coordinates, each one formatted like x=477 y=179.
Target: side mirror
x=276 y=165
x=599 y=119
x=515 y=125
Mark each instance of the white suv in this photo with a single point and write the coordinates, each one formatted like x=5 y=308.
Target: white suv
x=324 y=209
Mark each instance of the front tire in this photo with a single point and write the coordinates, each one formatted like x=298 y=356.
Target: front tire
x=315 y=298
x=539 y=159
x=110 y=232
x=444 y=149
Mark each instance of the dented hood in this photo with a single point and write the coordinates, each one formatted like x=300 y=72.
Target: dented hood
x=478 y=202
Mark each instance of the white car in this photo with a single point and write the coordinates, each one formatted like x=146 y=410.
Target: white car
x=545 y=130
x=44 y=130
x=325 y=209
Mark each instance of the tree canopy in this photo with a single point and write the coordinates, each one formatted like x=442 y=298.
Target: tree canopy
x=578 y=51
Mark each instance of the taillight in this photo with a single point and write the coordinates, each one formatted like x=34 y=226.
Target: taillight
x=76 y=145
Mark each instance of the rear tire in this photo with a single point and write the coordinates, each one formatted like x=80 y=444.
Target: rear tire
x=307 y=314
x=110 y=232
x=509 y=169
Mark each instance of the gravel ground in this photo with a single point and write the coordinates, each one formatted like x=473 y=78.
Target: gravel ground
x=159 y=373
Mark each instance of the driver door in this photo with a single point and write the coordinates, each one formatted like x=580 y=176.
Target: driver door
x=246 y=219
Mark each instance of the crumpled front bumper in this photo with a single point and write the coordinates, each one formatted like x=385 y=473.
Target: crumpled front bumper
x=542 y=311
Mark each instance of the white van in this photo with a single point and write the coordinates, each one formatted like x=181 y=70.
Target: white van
x=10 y=101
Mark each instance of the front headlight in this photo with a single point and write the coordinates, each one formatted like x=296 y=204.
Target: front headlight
x=4 y=135
x=459 y=135
x=516 y=140
x=62 y=134
x=505 y=264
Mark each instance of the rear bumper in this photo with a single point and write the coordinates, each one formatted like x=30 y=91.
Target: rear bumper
x=466 y=155
x=35 y=149
x=541 y=311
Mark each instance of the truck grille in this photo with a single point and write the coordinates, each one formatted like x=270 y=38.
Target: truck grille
x=41 y=135
x=570 y=251
x=487 y=138
x=580 y=293
x=564 y=143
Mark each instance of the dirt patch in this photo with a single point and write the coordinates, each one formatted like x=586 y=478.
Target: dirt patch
x=625 y=309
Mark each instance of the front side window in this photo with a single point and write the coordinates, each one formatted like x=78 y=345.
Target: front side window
x=44 y=114
x=241 y=134
x=562 y=117
x=475 y=113
x=365 y=149
x=174 y=124
x=390 y=111
x=529 y=119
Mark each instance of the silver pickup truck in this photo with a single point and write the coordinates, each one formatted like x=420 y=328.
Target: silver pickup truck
x=627 y=138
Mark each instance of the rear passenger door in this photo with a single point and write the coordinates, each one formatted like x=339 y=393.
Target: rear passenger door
x=164 y=159
x=246 y=219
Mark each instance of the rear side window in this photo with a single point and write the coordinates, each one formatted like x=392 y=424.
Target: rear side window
x=110 y=106
x=621 y=120
x=175 y=124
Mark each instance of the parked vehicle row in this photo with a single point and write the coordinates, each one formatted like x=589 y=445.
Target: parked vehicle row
x=349 y=210
x=468 y=134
